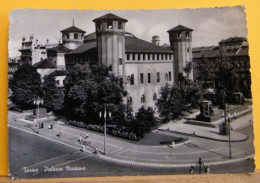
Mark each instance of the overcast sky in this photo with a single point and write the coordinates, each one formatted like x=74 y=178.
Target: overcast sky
x=210 y=25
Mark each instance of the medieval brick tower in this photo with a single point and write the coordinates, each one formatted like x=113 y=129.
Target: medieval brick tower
x=180 y=40
x=110 y=30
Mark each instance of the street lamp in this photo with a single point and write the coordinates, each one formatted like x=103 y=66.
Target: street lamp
x=105 y=125
x=37 y=102
x=227 y=122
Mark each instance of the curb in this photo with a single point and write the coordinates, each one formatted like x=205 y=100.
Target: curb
x=157 y=165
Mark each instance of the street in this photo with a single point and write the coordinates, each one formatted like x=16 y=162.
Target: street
x=40 y=152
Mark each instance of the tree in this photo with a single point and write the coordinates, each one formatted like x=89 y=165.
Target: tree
x=25 y=86
x=88 y=89
x=144 y=121
x=171 y=104
x=52 y=95
x=174 y=100
x=227 y=77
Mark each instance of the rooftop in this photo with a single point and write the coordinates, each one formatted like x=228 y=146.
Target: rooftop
x=180 y=28
x=89 y=46
x=109 y=16
x=132 y=44
x=73 y=29
x=59 y=48
x=233 y=39
x=44 y=64
x=60 y=73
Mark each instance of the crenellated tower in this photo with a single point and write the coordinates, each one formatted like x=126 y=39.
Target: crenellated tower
x=181 y=43
x=110 y=30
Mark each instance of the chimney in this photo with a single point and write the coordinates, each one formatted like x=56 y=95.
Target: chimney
x=156 y=40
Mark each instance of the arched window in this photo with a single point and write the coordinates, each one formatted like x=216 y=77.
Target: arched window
x=120 y=25
x=129 y=101
x=76 y=36
x=166 y=77
x=154 y=97
x=187 y=34
x=128 y=79
x=143 y=99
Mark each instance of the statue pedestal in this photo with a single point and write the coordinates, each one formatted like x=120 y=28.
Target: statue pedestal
x=206 y=112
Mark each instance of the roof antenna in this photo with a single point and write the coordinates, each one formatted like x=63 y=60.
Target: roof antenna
x=73 y=22
x=179 y=22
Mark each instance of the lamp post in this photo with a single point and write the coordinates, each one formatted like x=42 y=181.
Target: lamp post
x=229 y=134
x=105 y=125
x=227 y=122
x=37 y=102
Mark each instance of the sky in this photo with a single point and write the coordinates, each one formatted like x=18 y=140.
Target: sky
x=210 y=25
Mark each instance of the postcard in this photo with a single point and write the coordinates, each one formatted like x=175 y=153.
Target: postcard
x=129 y=92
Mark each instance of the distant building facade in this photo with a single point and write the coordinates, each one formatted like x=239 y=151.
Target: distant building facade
x=235 y=49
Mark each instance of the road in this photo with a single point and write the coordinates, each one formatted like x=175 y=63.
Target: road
x=40 y=152
x=208 y=150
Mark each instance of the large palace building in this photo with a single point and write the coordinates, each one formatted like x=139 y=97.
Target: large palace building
x=143 y=67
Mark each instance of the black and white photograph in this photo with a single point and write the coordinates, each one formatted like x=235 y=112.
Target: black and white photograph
x=95 y=93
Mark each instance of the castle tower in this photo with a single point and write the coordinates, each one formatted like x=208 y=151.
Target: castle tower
x=110 y=30
x=180 y=41
x=72 y=37
x=156 y=40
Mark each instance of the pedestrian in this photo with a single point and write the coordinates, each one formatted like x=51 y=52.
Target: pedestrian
x=80 y=139
x=96 y=150
x=86 y=135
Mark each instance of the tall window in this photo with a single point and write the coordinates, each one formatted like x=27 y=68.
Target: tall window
x=76 y=36
x=144 y=56
x=133 y=56
x=143 y=99
x=154 y=97
x=120 y=61
x=139 y=56
x=170 y=76
x=187 y=34
x=158 y=77
x=149 y=77
x=166 y=77
x=120 y=25
x=128 y=56
x=141 y=78
x=109 y=25
x=57 y=82
x=132 y=80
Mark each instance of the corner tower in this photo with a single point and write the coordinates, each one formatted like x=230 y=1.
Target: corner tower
x=180 y=41
x=110 y=30
x=72 y=37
